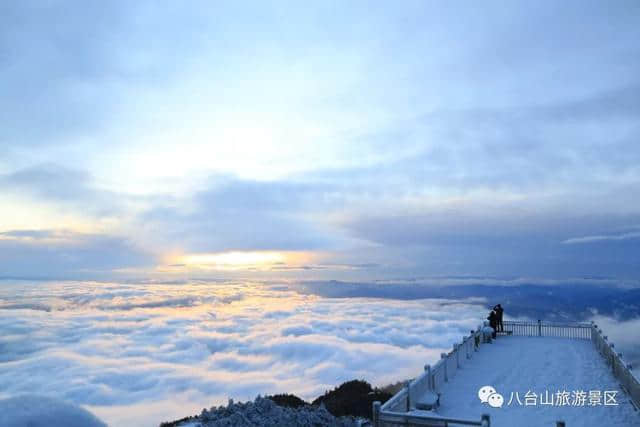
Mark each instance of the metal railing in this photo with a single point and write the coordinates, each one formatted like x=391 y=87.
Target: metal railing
x=396 y=411
x=399 y=409
x=388 y=418
x=620 y=369
x=548 y=329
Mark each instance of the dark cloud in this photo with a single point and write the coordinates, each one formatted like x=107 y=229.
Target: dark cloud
x=48 y=181
x=53 y=253
x=73 y=189
x=242 y=214
x=504 y=240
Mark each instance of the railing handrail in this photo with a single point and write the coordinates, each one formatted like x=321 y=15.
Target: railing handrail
x=620 y=369
x=433 y=377
x=549 y=323
x=429 y=420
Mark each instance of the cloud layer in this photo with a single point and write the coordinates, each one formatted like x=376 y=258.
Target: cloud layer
x=136 y=354
x=139 y=353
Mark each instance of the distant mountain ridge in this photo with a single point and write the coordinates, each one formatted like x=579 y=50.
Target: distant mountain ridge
x=563 y=302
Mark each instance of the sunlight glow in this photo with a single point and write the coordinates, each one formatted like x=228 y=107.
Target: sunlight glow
x=240 y=260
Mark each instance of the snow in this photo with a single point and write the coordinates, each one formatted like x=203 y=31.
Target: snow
x=265 y=413
x=536 y=364
x=41 y=411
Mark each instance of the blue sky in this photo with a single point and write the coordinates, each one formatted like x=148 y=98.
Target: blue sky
x=336 y=140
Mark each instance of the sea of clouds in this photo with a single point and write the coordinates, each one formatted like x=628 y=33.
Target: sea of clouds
x=136 y=354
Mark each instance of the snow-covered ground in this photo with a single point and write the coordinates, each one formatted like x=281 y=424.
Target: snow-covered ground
x=265 y=413
x=540 y=366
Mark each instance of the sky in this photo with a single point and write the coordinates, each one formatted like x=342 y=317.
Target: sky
x=358 y=140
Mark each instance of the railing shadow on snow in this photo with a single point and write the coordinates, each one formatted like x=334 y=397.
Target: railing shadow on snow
x=401 y=409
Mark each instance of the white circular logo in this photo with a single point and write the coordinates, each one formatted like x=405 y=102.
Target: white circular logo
x=496 y=400
x=485 y=392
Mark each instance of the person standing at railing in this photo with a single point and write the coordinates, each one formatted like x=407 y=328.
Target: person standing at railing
x=499 y=312
x=493 y=322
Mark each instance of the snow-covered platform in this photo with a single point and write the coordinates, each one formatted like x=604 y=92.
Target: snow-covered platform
x=537 y=374
x=557 y=369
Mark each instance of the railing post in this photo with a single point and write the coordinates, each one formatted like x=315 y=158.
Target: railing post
x=427 y=369
x=539 y=328
x=466 y=347
x=456 y=348
x=613 y=359
x=485 y=420
x=376 y=413
x=443 y=356
x=408 y=395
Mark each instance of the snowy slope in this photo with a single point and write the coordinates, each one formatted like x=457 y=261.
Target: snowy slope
x=537 y=364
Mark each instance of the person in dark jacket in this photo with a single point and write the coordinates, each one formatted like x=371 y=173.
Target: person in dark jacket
x=499 y=312
x=493 y=322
